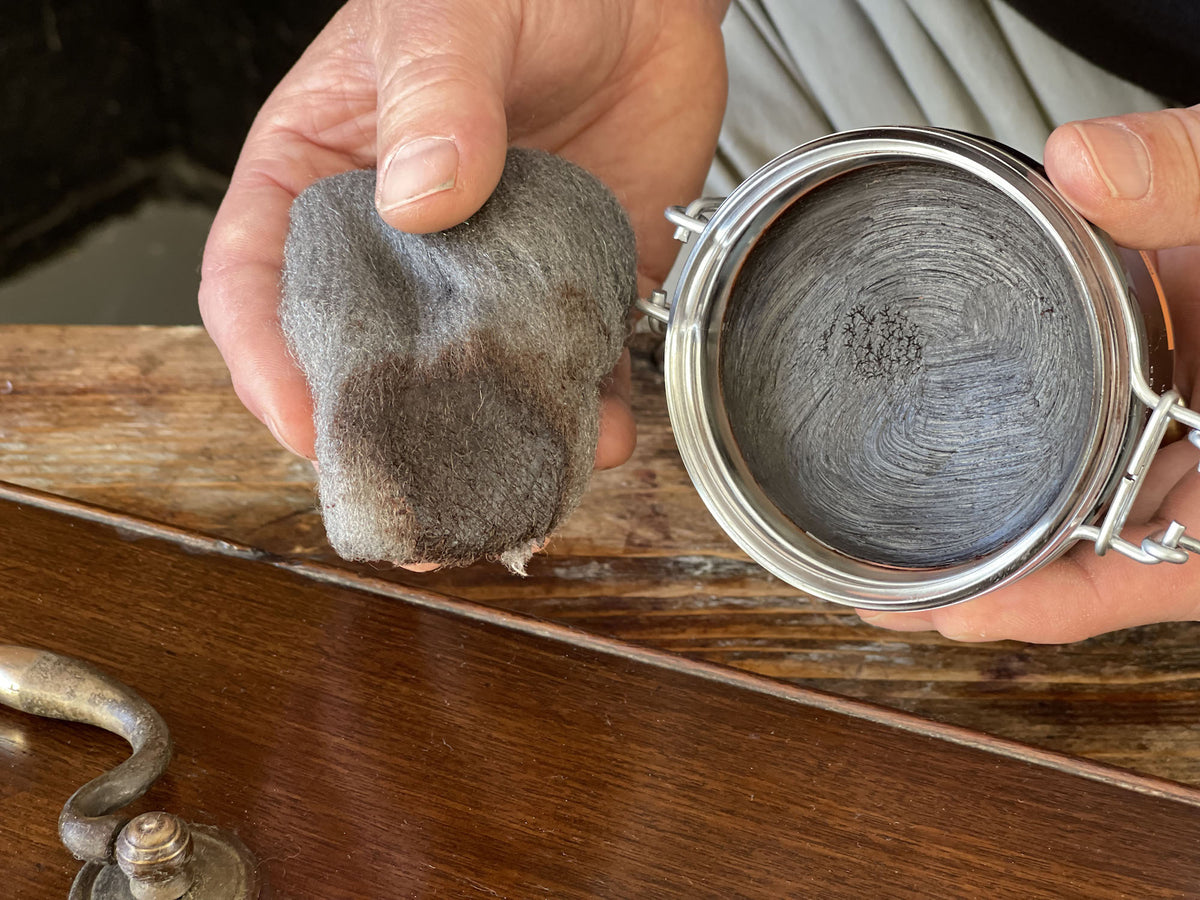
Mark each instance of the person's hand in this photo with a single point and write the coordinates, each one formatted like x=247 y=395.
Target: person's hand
x=432 y=92
x=1138 y=178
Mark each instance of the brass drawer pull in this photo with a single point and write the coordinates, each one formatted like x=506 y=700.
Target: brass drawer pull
x=155 y=856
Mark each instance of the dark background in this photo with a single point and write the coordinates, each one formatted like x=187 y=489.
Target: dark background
x=108 y=107
x=103 y=105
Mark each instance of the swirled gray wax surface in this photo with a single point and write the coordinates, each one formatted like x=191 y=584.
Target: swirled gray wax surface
x=907 y=366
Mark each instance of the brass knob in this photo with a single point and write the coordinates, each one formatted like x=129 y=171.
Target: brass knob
x=155 y=852
x=155 y=856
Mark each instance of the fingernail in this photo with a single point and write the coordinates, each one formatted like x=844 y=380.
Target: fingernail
x=422 y=568
x=418 y=169
x=907 y=621
x=1120 y=158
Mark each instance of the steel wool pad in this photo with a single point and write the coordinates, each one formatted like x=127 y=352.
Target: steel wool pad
x=456 y=375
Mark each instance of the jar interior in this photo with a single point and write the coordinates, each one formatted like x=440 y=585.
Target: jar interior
x=908 y=367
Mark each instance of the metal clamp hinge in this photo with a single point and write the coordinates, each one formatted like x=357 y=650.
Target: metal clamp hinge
x=656 y=307
x=1173 y=544
x=689 y=220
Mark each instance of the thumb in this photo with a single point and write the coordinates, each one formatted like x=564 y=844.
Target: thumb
x=1135 y=176
x=441 y=128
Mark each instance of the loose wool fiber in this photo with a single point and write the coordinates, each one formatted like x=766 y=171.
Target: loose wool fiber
x=908 y=367
x=456 y=376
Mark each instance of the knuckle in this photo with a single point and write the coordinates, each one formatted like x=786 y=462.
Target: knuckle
x=407 y=84
x=1182 y=134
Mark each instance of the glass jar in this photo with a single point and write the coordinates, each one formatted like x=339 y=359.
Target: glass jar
x=902 y=370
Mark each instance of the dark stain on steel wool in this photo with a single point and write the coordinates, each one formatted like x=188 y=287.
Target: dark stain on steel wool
x=908 y=367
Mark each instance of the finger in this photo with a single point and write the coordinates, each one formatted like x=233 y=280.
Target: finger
x=921 y=620
x=1077 y=597
x=441 y=69
x=618 y=435
x=299 y=136
x=1165 y=482
x=1083 y=595
x=1136 y=176
x=247 y=334
x=1178 y=269
x=239 y=295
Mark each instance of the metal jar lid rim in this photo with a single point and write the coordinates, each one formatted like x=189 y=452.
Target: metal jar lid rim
x=719 y=234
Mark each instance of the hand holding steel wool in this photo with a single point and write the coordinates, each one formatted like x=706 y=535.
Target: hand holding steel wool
x=456 y=375
x=431 y=92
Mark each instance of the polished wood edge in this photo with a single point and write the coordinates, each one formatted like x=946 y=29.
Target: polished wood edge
x=203 y=543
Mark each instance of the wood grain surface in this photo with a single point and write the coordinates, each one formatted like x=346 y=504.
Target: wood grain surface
x=144 y=420
x=384 y=744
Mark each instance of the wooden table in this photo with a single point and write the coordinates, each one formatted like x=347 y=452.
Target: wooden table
x=371 y=742
x=144 y=421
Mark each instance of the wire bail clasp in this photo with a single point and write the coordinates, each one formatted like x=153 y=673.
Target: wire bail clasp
x=1173 y=544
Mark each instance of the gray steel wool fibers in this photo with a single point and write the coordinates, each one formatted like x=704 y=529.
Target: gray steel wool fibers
x=456 y=375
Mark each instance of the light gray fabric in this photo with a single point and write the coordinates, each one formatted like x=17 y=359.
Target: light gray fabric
x=456 y=375
x=799 y=69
